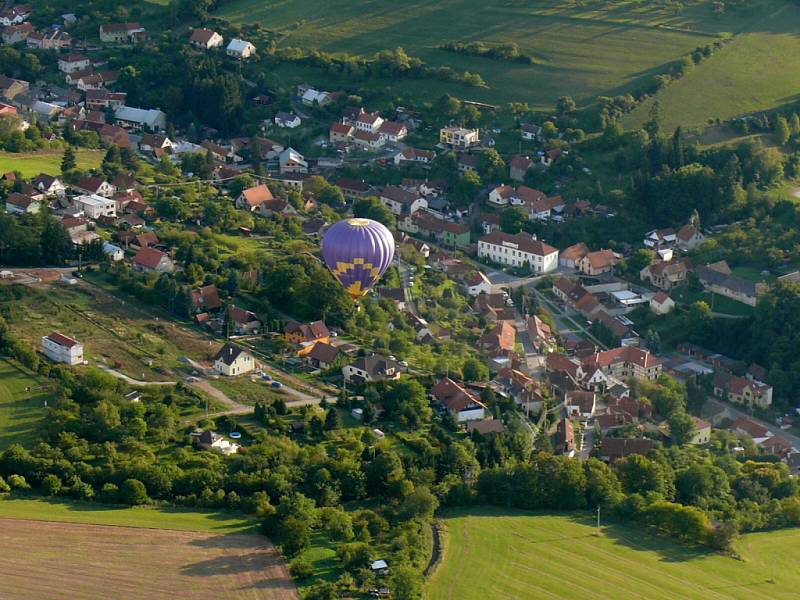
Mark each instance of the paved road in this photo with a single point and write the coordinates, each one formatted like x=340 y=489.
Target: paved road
x=775 y=429
x=560 y=318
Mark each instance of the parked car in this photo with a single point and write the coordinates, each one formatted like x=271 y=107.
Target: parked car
x=277 y=384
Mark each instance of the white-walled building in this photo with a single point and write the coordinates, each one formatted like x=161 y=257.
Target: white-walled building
x=94 y=206
x=233 y=360
x=61 y=348
x=240 y=49
x=518 y=250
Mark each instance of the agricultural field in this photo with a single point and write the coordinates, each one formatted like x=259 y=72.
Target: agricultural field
x=159 y=555
x=20 y=410
x=758 y=70
x=115 y=333
x=581 y=49
x=494 y=553
x=30 y=164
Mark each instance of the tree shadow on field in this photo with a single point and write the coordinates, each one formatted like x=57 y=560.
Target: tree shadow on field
x=233 y=540
x=226 y=565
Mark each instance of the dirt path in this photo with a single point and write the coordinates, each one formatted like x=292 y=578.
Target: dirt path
x=131 y=380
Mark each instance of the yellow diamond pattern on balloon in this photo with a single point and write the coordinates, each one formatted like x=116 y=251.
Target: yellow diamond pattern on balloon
x=344 y=267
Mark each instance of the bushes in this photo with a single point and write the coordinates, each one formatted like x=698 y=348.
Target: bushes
x=507 y=52
x=301 y=569
x=133 y=492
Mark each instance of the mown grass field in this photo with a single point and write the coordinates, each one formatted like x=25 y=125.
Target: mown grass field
x=758 y=70
x=498 y=554
x=20 y=410
x=30 y=164
x=581 y=49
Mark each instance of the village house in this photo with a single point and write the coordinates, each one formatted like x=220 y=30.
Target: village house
x=156 y=143
x=113 y=252
x=69 y=63
x=252 y=198
x=666 y=274
x=287 y=120
x=479 y=284
x=305 y=333
x=661 y=304
x=14 y=14
x=717 y=279
x=233 y=360
x=414 y=155
x=122 y=33
x=312 y=97
x=368 y=122
x=140 y=119
x=212 y=441
x=463 y=404
x=11 y=88
x=371 y=368
x=206 y=299
x=518 y=250
x=702 y=434
x=63 y=349
x=94 y=206
x=616 y=448
x=485 y=427
x=569 y=257
x=596 y=263
x=564 y=439
x=459 y=137
x=494 y=307
x=95 y=186
x=392 y=131
x=659 y=238
x=150 y=260
x=688 y=238
x=339 y=133
x=323 y=355
x=467 y=163
x=579 y=403
x=740 y=390
x=20 y=204
x=205 y=39
x=746 y=426
x=368 y=140
x=240 y=49
x=242 y=321
x=540 y=335
x=291 y=161
x=519 y=167
x=402 y=202
x=627 y=362
x=499 y=341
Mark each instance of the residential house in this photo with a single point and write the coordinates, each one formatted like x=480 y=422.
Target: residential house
x=501 y=195
x=414 y=155
x=500 y=340
x=49 y=185
x=463 y=404
x=220 y=153
x=715 y=280
x=541 y=335
x=206 y=299
x=579 y=403
x=121 y=33
x=564 y=441
x=150 y=260
x=661 y=304
x=666 y=274
x=402 y=202
x=518 y=250
x=659 y=238
x=741 y=390
x=312 y=97
x=62 y=348
x=20 y=204
x=94 y=206
x=530 y=132
x=459 y=137
x=479 y=284
x=14 y=14
x=243 y=322
x=14 y=34
x=467 y=163
x=95 y=186
x=569 y=257
x=392 y=131
x=519 y=167
x=486 y=427
x=369 y=122
x=252 y=198
x=371 y=368
x=323 y=355
x=211 y=441
x=287 y=120
x=368 y=140
x=353 y=188
x=11 y=88
x=113 y=252
x=240 y=49
x=746 y=426
x=233 y=360
x=494 y=307
x=616 y=448
x=291 y=161
x=596 y=263
x=688 y=238
x=156 y=143
x=305 y=333
x=395 y=295
x=702 y=434
x=340 y=133
x=205 y=39
x=627 y=362
x=69 y=63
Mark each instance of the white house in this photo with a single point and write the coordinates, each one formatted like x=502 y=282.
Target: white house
x=20 y=204
x=240 y=49
x=501 y=195
x=402 y=202
x=150 y=260
x=369 y=122
x=371 y=368
x=479 y=284
x=94 y=206
x=661 y=304
x=205 y=39
x=313 y=97
x=62 y=348
x=518 y=250
x=69 y=63
x=462 y=403
x=114 y=253
x=210 y=440
x=140 y=118
x=459 y=137
x=233 y=360
x=291 y=161
x=287 y=120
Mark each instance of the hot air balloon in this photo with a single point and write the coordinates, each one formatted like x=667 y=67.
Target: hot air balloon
x=358 y=252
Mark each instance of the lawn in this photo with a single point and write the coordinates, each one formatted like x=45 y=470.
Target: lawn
x=100 y=514
x=31 y=164
x=718 y=303
x=757 y=71
x=20 y=410
x=581 y=50
x=494 y=553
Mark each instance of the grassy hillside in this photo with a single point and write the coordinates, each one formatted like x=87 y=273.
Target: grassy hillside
x=20 y=411
x=497 y=554
x=758 y=70
x=98 y=514
x=587 y=50
x=30 y=164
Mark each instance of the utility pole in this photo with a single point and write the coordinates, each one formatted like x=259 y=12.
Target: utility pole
x=598 y=518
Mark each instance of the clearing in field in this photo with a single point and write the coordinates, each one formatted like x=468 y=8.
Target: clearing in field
x=60 y=560
x=20 y=410
x=580 y=49
x=504 y=554
x=30 y=164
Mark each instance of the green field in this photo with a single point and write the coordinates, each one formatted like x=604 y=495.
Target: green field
x=30 y=164
x=20 y=411
x=758 y=70
x=498 y=554
x=582 y=49
x=98 y=514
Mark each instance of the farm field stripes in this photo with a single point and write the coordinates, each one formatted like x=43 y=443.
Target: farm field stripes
x=20 y=410
x=40 y=562
x=511 y=554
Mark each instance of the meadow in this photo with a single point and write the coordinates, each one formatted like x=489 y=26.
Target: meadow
x=30 y=164
x=495 y=553
x=20 y=410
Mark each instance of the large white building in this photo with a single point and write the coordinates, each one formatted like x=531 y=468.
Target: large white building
x=94 y=206
x=233 y=360
x=62 y=348
x=518 y=250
